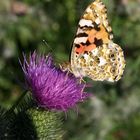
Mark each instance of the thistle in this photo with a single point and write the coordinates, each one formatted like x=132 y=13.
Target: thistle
x=51 y=87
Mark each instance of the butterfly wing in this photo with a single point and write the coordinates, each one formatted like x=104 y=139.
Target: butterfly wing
x=93 y=45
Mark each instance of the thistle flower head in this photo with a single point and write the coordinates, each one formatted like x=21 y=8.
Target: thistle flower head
x=51 y=87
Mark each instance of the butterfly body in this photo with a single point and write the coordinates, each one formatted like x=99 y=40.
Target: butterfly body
x=94 y=54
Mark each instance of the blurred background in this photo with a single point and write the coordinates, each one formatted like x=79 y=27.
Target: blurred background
x=113 y=113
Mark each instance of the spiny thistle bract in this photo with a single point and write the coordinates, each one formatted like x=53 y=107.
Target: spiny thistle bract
x=47 y=124
x=51 y=87
x=35 y=124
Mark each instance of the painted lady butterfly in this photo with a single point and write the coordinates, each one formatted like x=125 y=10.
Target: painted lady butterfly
x=94 y=54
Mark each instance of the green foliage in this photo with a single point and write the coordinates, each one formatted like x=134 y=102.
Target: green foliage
x=122 y=129
x=112 y=114
x=6 y=120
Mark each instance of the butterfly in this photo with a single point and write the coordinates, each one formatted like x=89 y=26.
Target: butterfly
x=94 y=54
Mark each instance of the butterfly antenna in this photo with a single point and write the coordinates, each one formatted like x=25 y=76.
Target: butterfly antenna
x=50 y=48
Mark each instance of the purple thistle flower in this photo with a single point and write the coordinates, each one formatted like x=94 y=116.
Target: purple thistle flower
x=51 y=87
